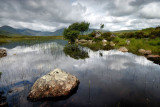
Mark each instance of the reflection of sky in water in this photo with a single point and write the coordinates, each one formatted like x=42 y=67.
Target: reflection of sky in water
x=105 y=80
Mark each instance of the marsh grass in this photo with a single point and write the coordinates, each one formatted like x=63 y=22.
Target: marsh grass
x=133 y=47
x=27 y=38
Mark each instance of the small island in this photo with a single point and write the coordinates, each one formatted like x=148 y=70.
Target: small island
x=144 y=42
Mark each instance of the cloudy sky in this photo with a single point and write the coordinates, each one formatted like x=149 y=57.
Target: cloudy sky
x=50 y=15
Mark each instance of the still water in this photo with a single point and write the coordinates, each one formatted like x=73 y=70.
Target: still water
x=107 y=78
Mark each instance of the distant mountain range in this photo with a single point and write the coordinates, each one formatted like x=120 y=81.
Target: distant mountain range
x=30 y=32
x=7 y=30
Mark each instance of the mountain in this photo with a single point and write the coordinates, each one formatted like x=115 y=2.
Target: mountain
x=30 y=32
x=10 y=30
x=124 y=31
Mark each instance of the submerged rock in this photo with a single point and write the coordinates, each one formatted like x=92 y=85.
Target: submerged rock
x=57 y=83
x=3 y=100
x=16 y=89
x=123 y=49
x=154 y=58
x=3 y=53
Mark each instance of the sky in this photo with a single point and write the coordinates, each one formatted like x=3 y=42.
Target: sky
x=50 y=15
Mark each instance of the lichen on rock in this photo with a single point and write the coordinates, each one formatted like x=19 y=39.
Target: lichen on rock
x=57 y=83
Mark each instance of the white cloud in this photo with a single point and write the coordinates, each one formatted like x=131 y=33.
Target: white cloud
x=151 y=10
x=50 y=15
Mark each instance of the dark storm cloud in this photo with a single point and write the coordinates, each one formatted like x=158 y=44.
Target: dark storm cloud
x=54 y=14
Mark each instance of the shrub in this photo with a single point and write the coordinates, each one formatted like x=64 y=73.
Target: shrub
x=156 y=33
x=75 y=52
x=86 y=37
x=70 y=35
x=93 y=34
x=98 y=39
x=106 y=35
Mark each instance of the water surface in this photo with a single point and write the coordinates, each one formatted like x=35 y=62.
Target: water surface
x=107 y=78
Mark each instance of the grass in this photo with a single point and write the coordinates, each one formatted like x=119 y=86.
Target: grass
x=148 y=39
x=8 y=39
x=133 y=47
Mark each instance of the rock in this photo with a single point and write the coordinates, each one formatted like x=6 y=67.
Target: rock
x=82 y=41
x=16 y=89
x=128 y=42
x=90 y=41
x=123 y=49
x=113 y=35
x=104 y=42
x=154 y=58
x=112 y=44
x=148 y=52
x=3 y=53
x=145 y=52
x=57 y=83
x=76 y=40
x=3 y=100
x=98 y=34
x=142 y=51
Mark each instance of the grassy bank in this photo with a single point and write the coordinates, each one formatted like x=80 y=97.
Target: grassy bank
x=7 y=39
x=148 y=39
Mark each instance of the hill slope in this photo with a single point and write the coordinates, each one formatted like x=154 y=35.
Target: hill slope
x=30 y=32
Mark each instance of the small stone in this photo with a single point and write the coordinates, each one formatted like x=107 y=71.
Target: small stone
x=112 y=44
x=3 y=53
x=123 y=49
x=142 y=51
x=145 y=52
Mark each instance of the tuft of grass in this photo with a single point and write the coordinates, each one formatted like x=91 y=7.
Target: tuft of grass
x=86 y=37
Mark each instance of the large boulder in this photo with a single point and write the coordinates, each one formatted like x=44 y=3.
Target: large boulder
x=3 y=53
x=123 y=49
x=57 y=83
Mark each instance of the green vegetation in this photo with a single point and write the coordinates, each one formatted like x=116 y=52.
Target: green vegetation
x=0 y=73
x=6 y=39
x=98 y=46
x=75 y=52
x=71 y=33
x=136 y=44
x=148 y=39
x=101 y=26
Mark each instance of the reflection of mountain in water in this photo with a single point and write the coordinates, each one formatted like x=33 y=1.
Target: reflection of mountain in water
x=75 y=52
